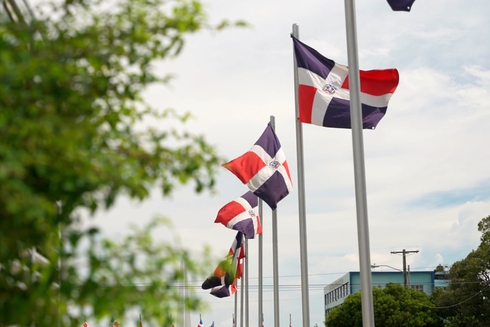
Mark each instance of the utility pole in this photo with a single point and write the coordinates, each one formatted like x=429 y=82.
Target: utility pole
x=404 y=252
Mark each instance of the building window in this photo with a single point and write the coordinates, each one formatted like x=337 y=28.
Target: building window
x=417 y=287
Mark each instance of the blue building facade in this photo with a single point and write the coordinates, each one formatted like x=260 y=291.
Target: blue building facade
x=336 y=292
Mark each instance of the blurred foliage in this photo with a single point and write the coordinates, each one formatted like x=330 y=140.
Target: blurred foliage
x=394 y=305
x=466 y=301
x=76 y=135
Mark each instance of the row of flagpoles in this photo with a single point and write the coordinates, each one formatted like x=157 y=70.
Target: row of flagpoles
x=327 y=94
x=324 y=97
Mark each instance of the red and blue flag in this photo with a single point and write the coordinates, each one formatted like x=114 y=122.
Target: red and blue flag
x=324 y=95
x=223 y=280
x=241 y=215
x=264 y=169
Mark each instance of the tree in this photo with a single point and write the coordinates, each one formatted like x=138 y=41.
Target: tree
x=76 y=134
x=466 y=301
x=394 y=305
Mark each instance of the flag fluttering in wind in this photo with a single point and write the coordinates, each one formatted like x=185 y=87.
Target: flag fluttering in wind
x=401 y=5
x=200 y=323
x=223 y=280
x=264 y=169
x=242 y=215
x=323 y=90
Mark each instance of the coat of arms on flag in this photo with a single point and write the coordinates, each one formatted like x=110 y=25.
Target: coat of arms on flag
x=264 y=169
x=241 y=215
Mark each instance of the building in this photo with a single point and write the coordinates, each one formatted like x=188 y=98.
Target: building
x=336 y=292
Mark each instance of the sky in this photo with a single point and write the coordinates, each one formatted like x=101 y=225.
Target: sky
x=427 y=171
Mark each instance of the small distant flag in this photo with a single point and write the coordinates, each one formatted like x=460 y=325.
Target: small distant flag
x=85 y=324
x=264 y=169
x=200 y=323
x=262 y=320
x=401 y=5
x=233 y=320
x=223 y=280
x=242 y=215
x=212 y=325
x=324 y=94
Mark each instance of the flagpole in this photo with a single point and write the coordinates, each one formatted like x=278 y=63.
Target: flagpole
x=246 y=283
x=241 y=302
x=275 y=269
x=187 y=313
x=260 y=262
x=359 y=170
x=236 y=305
x=301 y=201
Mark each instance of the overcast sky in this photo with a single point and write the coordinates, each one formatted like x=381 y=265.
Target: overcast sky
x=427 y=163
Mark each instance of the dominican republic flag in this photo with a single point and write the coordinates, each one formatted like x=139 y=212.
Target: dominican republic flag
x=223 y=280
x=264 y=169
x=242 y=215
x=200 y=323
x=323 y=90
x=401 y=5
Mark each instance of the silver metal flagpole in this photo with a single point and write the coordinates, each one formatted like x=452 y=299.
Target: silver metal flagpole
x=261 y=307
x=187 y=313
x=301 y=201
x=246 y=283
x=241 y=302
x=275 y=269
x=235 y=322
x=359 y=170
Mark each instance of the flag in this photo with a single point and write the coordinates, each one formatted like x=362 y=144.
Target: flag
x=200 y=323
x=212 y=325
x=264 y=169
x=115 y=323
x=401 y=5
x=241 y=215
x=223 y=280
x=85 y=324
x=323 y=90
x=233 y=319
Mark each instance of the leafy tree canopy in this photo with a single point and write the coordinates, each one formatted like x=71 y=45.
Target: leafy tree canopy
x=75 y=136
x=465 y=302
x=394 y=305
